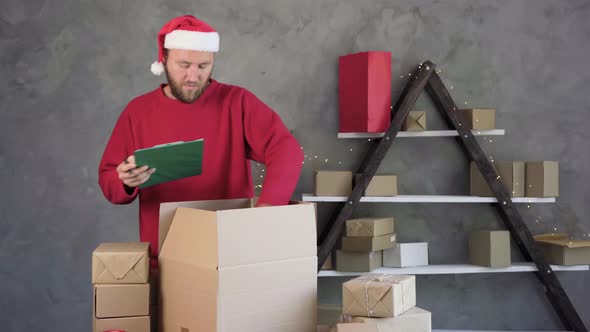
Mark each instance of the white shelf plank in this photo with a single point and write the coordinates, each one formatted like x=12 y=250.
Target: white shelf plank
x=426 y=133
x=427 y=199
x=454 y=269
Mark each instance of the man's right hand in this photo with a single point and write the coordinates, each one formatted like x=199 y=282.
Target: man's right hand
x=132 y=176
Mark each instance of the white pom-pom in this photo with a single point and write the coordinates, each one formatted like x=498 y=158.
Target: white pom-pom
x=157 y=68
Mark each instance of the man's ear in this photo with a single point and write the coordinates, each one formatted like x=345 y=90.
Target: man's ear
x=165 y=56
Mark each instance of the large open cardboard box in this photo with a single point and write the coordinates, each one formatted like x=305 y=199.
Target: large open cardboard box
x=225 y=266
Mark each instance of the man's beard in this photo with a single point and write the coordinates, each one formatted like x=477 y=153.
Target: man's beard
x=186 y=97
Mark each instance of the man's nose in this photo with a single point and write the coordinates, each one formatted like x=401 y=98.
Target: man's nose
x=193 y=74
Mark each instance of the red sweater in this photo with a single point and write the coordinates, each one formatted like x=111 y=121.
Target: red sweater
x=236 y=127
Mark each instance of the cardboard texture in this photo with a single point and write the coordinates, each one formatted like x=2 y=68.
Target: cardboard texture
x=333 y=183
x=218 y=273
x=357 y=327
x=560 y=250
x=413 y=320
x=358 y=261
x=369 y=227
x=490 y=248
x=415 y=121
x=406 y=255
x=479 y=118
x=512 y=175
x=364 y=92
x=167 y=211
x=127 y=324
x=381 y=185
x=120 y=263
x=379 y=295
x=366 y=244
x=121 y=300
x=542 y=179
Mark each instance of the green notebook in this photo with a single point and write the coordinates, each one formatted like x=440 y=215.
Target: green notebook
x=172 y=161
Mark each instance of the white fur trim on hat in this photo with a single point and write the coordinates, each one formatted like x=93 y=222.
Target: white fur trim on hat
x=192 y=40
x=157 y=68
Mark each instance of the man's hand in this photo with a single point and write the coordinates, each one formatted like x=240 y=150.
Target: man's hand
x=132 y=176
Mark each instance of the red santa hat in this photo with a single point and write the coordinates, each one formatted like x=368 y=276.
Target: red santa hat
x=185 y=33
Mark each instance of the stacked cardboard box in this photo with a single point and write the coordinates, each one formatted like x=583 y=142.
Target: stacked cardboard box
x=120 y=275
x=363 y=245
x=381 y=302
x=226 y=266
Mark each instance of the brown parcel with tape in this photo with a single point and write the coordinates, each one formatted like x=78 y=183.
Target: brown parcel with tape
x=379 y=295
x=120 y=263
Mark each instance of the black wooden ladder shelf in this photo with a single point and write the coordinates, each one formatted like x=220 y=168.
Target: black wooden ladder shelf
x=425 y=76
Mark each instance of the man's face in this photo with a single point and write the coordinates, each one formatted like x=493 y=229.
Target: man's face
x=188 y=73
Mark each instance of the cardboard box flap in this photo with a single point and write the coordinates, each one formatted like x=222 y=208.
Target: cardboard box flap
x=192 y=238
x=231 y=237
x=119 y=265
x=550 y=236
x=561 y=240
x=121 y=260
x=289 y=232
x=167 y=211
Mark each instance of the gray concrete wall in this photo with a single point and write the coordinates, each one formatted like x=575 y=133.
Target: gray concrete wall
x=69 y=67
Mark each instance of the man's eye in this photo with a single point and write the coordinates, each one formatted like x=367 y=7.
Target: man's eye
x=202 y=66
x=185 y=65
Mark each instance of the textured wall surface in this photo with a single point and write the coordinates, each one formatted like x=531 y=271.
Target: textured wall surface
x=69 y=67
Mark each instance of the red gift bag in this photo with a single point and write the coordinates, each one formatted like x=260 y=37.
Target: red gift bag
x=364 y=89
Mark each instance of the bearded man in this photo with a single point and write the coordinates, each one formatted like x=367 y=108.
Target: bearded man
x=236 y=127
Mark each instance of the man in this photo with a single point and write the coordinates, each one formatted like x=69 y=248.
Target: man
x=235 y=125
